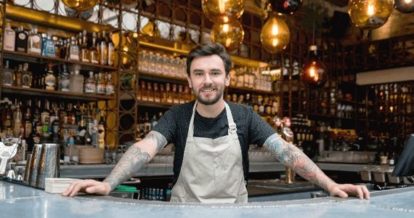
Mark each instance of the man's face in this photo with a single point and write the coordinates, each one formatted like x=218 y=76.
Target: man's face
x=208 y=79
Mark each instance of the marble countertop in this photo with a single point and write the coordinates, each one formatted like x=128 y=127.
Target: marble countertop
x=21 y=201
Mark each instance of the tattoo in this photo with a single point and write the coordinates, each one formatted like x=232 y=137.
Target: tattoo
x=159 y=139
x=131 y=161
x=291 y=156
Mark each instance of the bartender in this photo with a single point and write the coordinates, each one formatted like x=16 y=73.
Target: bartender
x=212 y=137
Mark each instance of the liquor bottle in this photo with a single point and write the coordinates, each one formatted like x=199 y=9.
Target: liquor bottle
x=9 y=38
x=150 y=92
x=45 y=122
x=93 y=50
x=18 y=76
x=100 y=88
x=90 y=86
x=103 y=49
x=85 y=57
x=21 y=40
x=157 y=93
x=73 y=50
x=76 y=81
x=111 y=51
x=101 y=131
x=26 y=76
x=64 y=81
x=27 y=120
x=169 y=94
x=143 y=91
x=48 y=46
x=7 y=75
x=34 y=42
x=175 y=94
x=17 y=119
x=109 y=87
x=50 y=79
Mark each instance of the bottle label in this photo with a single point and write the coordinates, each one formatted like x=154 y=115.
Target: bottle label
x=9 y=40
x=90 y=88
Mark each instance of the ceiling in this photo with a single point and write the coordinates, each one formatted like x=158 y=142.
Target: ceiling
x=336 y=20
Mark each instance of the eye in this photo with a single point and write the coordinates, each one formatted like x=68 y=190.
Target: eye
x=215 y=73
x=198 y=73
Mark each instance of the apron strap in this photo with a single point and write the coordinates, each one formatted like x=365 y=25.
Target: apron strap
x=232 y=125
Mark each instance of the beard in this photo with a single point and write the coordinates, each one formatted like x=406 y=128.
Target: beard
x=209 y=101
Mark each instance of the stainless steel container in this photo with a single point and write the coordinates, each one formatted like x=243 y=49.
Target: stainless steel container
x=49 y=164
x=34 y=165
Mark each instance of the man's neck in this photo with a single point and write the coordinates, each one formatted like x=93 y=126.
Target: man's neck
x=210 y=111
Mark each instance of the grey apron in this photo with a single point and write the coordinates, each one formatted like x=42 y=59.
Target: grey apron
x=212 y=169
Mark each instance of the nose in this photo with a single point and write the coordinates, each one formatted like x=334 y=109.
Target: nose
x=207 y=79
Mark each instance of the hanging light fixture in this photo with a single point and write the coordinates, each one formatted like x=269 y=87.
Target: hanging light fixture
x=314 y=70
x=404 y=6
x=230 y=35
x=80 y=5
x=275 y=34
x=222 y=10
x=370 y=14
x=285 y=6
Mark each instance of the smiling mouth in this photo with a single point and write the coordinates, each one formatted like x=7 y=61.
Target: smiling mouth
x=208 y=90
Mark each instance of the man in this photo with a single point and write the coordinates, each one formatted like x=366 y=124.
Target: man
x=211 y=138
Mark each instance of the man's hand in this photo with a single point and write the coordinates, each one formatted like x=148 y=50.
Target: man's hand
x=88 y=186
x=343 y=190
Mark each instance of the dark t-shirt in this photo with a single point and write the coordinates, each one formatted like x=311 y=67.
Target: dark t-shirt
x=251 y=129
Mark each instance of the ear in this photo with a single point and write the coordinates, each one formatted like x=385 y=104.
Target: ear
x=227 y=80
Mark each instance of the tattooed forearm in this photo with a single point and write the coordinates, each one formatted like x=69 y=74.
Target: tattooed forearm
x=131 y=161
x=291 y=156
x=158 y=138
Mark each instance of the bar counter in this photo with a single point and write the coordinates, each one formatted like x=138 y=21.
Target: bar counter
x=21 y=201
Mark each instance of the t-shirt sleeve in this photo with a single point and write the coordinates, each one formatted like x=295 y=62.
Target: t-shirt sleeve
x=167 y=125
x=259 y=130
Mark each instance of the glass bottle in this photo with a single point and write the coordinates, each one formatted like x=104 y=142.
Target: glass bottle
x=18 y=76
x=85 y=57
x=109 y=87
x=7 y=75
x=50 y=79
x=21 y=40
x=73 y=50
x=64 y=80
x=93 y=50
x=101 y=131
x=34 y=42
x=90 y=86
x=26 y=76
x=9 y=38
x=76 y=81
x=100 y=88
x=111 y=51
x=48 y=46
x=103 y=49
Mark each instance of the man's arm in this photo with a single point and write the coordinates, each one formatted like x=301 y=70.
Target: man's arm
x=134 y=159
x=290 y=155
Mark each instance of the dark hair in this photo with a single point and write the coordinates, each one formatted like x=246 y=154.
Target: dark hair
x=207 y=50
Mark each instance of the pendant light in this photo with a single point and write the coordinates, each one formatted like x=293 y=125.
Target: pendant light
x=275 y=34
x=314 y=70
x=404 y=6
x=230 y=34
x=80 y=5
x=285 y=6
x=370 y=14
x=221 y=11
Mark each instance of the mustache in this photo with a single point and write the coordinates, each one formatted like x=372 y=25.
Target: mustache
x=208 y=87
